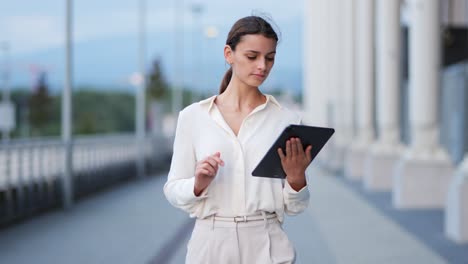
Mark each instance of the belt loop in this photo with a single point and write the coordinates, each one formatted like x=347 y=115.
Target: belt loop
x=264 y=219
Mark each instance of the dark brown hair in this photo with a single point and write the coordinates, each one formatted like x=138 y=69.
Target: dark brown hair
x=246 y=26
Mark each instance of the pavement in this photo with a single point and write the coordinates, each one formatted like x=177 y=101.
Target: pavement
x=133 y=223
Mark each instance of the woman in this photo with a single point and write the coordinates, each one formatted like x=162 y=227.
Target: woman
x=218 y=143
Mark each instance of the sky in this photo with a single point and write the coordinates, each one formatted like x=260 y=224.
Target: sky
x=106 y=43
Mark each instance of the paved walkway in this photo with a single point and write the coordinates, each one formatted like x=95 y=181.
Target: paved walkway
x=134 y=224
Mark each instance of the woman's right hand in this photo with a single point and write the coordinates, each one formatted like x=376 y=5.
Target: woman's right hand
x=205 y=172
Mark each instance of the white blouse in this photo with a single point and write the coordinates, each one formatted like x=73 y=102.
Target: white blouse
x=202 y=131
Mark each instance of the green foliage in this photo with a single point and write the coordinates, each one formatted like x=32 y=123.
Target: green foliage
x=94 y=112
x=40 y=107
x=103 y=112
x=157 y=87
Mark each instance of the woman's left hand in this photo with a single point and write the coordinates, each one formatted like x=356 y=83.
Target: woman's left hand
x=295 y=162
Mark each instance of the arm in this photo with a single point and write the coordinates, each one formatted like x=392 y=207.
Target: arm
x=295 y=162
x=295 y=202
x=179 y=188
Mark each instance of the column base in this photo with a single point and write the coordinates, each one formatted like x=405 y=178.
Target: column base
x=337 y=159
x=354 y=162
x=456 y=207
x=379 y=167
x=421 y=182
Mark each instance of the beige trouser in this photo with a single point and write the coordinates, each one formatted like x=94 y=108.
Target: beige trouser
x=254 y=242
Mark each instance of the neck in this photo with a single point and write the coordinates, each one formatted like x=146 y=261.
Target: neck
x=240 y=96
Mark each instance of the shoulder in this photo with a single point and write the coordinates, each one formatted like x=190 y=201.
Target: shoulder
x=293 y=115
x=196 y=109
x=285 y=110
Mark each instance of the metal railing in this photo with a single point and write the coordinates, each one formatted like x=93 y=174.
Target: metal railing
x=31 y=170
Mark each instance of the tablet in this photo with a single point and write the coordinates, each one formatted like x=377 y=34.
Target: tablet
x=270 y=165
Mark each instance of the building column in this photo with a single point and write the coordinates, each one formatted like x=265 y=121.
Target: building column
x=349 y=72
x=384 y=153
x=354 y=164
x=336 y=79
x=423 y=173
x=315 y=91
x=349 y=76
x=456 y=205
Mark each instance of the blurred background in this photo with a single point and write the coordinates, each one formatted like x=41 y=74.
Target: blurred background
x=90 y=93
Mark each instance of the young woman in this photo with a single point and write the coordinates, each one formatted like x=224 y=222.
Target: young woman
x=218 y=143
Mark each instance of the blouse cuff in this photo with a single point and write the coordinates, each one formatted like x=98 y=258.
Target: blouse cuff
x=188 y=196
x=302 y=194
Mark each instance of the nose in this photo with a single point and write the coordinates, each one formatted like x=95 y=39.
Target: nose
x=261 y=64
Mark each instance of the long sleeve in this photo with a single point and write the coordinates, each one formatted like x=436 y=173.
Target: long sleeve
x=295 y=202
x=180 y=183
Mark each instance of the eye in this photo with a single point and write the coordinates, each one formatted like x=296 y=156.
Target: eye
x=270 y=59
x=251 y=57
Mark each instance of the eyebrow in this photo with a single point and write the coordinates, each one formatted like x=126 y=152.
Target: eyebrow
x=256 y=52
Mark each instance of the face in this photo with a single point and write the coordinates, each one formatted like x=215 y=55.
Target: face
x=252 y=59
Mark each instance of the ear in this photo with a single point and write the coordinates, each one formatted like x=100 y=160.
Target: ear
x=228 y=54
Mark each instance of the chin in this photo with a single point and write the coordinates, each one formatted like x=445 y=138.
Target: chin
x=255 y=83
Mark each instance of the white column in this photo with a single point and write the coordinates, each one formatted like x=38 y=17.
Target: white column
x=317 y=85
x=349 y=69
x=456 y=205
x=336 y=77
x=422 y=175
x=349 y=26
x=378 y=173
x=316 y=92
x=354 y=167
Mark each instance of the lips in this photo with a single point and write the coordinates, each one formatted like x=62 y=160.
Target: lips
x=259 y=75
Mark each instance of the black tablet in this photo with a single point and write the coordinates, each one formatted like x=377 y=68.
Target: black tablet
x=270 y=165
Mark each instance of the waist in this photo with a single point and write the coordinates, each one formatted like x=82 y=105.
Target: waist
x=241 y=219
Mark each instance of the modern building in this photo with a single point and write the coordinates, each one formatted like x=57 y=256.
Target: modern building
x=392 y=78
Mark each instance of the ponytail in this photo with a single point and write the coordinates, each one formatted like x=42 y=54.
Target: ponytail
x=226 y=80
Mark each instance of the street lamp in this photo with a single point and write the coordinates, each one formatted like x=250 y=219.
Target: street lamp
x=178 y=57
x=196 y=9
x=210 y=33
x=139 y=80
x=6 y=108
x=67 y=184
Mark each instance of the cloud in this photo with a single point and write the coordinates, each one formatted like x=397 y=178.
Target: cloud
x=28 y=33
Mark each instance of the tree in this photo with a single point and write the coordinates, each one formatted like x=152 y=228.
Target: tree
x=39 y=106
x=157 y=86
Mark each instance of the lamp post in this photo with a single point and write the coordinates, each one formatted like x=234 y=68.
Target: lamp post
x=177 y=92
x=67 y=184
x=197 y=68
x=210 y=32
x=6 y=104
x=140 y=93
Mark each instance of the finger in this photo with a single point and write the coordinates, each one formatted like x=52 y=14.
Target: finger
x=280 y=153
x=300 y=147
x=212 y=162
x=205 y=172
x=217 y=158
x=309 y=153
x=208 y=167
x=288 y=148
x=294 y=147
